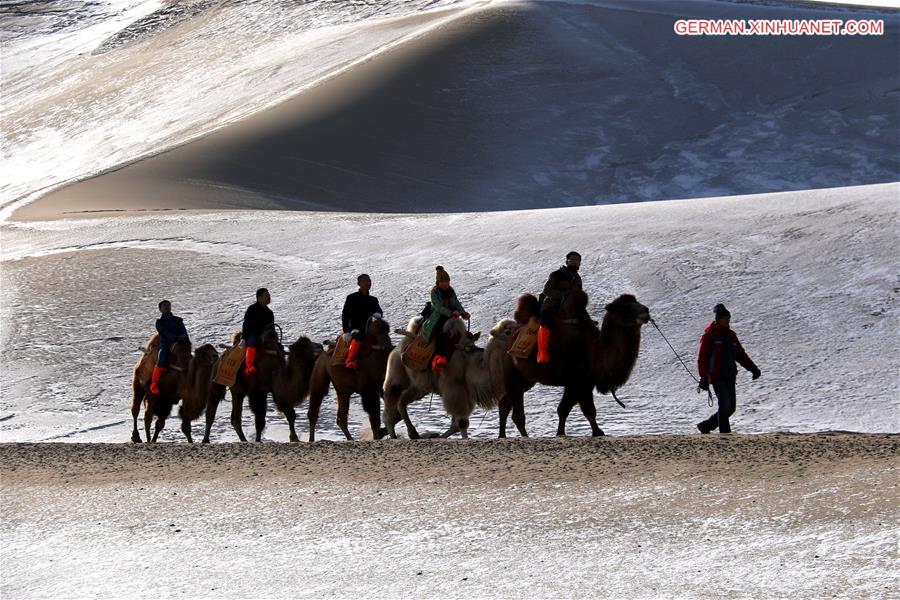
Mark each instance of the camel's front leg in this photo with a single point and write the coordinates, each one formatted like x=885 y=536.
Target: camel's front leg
x=372 y=406
x=586 y=402
x=409 y=395
x=237 y=410
x=290 y=415
x=186 y=430
x=343 y=414
x=568 y=401
x=160 y=423
x=136 y=397
x=216 y=394
x=454 y=428
x=148 y=419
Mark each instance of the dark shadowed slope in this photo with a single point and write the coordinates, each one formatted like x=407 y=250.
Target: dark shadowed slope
x=533 y=105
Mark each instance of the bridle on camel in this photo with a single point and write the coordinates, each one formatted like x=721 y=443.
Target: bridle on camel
x=369 y=322
x=699 y=389
x=179 y=341
x=275 y=328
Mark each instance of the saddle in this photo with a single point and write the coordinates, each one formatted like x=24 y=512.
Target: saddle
x=227 y=368
x=339 y=349
x=525 y=340
x=417 y=355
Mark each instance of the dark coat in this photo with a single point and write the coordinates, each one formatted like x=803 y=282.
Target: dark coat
x=256 y=319
x=357 y=309
x=719 y=350
x=559 y=284
x=170 y=328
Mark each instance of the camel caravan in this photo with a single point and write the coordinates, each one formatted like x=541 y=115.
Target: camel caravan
x=550 y=340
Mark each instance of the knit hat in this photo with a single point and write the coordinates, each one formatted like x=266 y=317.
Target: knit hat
x=721 y=311
x=441 y=275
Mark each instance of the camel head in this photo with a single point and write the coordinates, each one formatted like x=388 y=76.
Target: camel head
x=626 y=310
x=413 y=327
x=152 y=345
x=206 y=355
x=507 y=328
x=576 y=303
x=527 y=306
x=305 y=351
x=455 y=328
x=380 y=332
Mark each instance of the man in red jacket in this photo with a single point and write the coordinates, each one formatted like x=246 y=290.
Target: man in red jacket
x=719 y=351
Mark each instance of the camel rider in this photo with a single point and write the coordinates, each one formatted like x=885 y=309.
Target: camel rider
x=359 y=307
x=170 y=329
x=257 y=318
x=444 y=305
x=559 y=284
x=719 y=351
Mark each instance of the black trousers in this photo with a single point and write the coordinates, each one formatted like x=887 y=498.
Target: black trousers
x=548 y=316
x=725 y=392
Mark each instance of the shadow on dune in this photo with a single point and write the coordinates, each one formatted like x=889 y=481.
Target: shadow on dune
x=532 y=106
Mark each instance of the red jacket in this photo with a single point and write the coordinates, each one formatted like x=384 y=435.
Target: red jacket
x=719 y=349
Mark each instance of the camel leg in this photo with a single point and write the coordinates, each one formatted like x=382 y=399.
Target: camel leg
x=212 y=404
x=160 y=423
x=258 y=406
x=410 y=428
x=407 y=398
x=237 y=409
x=461 y=425
x=372 y=406
x=186 y=430
x=590 y=411
x=148 y=419
x=313 y=415
x=136 y=396
x=464 y=427
x=454 y=428
x=391 y=414
x=343 y=413
x=290 y=415
x=568 y=401
x=519 y=414
x=504 y=409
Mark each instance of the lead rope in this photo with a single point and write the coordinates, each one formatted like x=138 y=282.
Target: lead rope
x=708 y=393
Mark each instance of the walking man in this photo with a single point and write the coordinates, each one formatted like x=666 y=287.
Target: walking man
x=719 y=351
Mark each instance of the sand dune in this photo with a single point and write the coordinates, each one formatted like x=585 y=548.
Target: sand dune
x=531 y=105
x=803 y=516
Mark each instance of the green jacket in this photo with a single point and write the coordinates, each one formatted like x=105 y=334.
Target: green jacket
x=442 y=304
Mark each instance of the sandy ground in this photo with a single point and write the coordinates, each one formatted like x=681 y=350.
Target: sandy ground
x=523 y=105
x=773 y=515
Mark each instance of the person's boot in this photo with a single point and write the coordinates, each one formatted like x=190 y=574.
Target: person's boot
x=250 y=362
x=438 y=363
x=703 y=427
x=154 y=379
x=543 y=342
x=351 y=363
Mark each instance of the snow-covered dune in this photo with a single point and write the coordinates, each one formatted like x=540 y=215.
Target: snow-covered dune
x=513 y=105
x=811 y=279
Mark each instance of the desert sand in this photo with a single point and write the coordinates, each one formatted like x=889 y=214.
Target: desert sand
x=772 y=515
